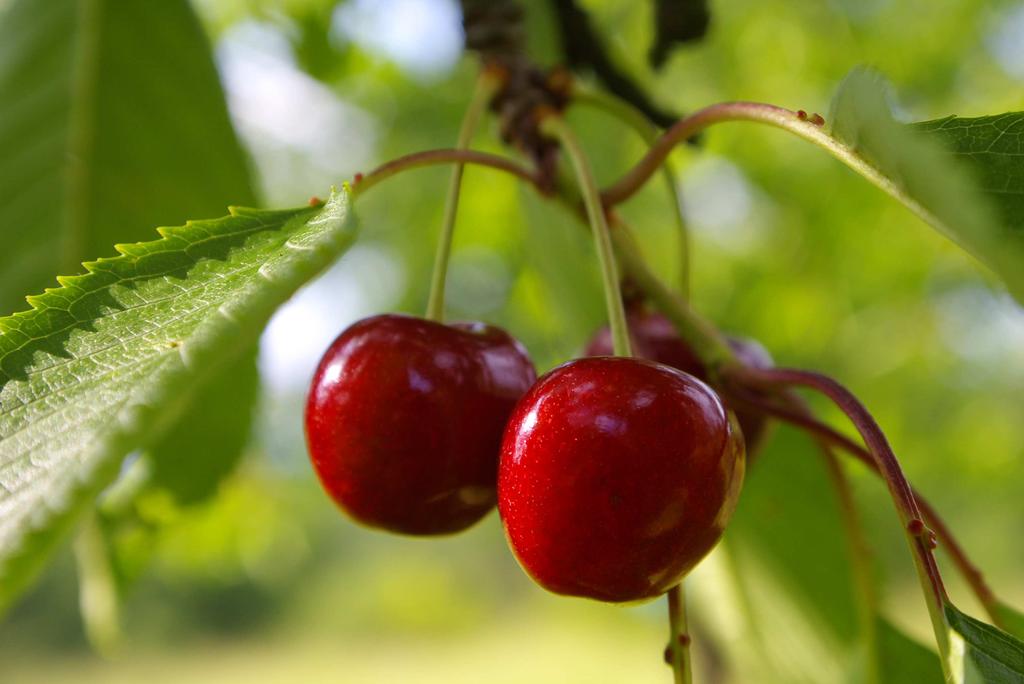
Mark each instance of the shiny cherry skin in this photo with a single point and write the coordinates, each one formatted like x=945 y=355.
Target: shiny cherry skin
x=617 y=476
x=655 y=338
x=405 y=416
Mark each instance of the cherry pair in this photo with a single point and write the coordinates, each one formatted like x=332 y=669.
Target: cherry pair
x=615 y=477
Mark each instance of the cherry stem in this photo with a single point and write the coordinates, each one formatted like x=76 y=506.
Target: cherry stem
x=418 y=160
x=918 y=536
x=629 y=115
x=487 y=85
x=707 y=342
x=555 y=125
x=756 y=112
x=799 y=415
x=679 y=636
x=704 y=338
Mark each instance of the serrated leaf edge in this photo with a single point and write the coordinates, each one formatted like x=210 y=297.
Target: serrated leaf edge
x=100 y=464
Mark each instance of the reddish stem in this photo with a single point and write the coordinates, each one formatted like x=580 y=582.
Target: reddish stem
x=682 y=130
x=444 y=156
x=797 y=413
x=878 y=448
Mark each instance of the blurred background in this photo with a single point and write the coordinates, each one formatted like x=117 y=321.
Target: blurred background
x=267 y=582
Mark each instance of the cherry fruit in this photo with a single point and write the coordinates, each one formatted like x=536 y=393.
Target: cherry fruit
x=405 y=416
x=617 y=476
x=655 y=338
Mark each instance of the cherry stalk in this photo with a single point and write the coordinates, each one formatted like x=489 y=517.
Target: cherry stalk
x=650 y=133
x=361 y=183
x=487 y=86
x=689 y=126
x=556 y=126
x=678 y=651
x=810 y=128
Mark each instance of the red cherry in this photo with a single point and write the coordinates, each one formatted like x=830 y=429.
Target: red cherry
x=617 y=476
x=405 y=416
x=655 y=338
x=753 y=424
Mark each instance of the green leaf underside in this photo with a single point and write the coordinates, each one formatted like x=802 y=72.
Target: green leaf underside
x=901 y=660
x=1012 y=619
x=973 y=196
x=788 y=498
x=112 y=121
x=185 y=467
x=799 y=612
x=986 y=655
x=189 y=463
x=101 y=365
x=800 y=617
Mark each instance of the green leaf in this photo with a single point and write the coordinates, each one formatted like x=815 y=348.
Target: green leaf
x=902 y=660
x=957 y=198
x=120 y=124
x=113 y=122
x=102 y=365
x=184 y=468
x=983 y=654
x=798 y=608
x=190 y=462
x=1012 y=619
x=990 y=147
x=788 y=499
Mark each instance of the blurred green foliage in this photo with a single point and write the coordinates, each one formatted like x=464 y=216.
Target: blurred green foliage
x=267 y=582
